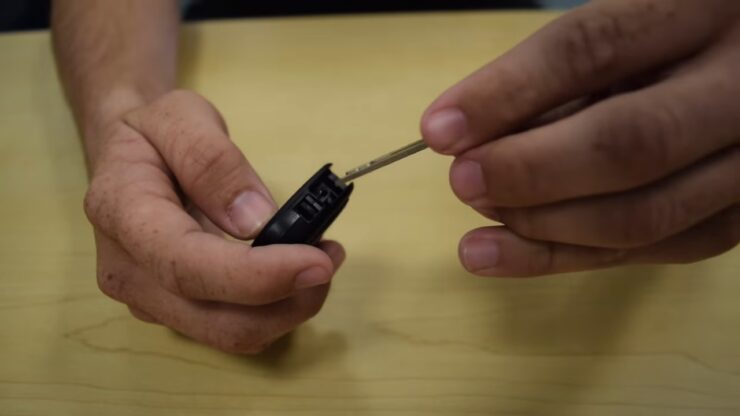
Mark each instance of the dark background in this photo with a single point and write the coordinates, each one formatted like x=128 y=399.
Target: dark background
x=34 y=14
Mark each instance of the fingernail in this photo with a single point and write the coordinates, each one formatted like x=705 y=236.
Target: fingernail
x=444 y=128
x=314 y=276
x=478 y=255
x=249 y=212
x=466 y=178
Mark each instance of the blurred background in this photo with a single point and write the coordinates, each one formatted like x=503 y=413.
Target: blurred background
x=34 y=14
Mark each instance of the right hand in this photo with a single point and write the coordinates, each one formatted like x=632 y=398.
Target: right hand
x=166 y=184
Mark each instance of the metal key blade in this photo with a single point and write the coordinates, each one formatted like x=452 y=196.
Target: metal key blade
x=384 y=160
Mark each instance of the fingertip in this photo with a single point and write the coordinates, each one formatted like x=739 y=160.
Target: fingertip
x=443 y=129
x=480 y=252
x=335 y=251
x=278 y=271
x=467 y=180
x=323 y=271
x=311 y=277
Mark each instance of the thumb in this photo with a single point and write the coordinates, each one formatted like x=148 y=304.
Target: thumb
x=191 y=136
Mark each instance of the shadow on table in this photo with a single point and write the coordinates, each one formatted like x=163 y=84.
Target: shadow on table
x=293 y=354
x=580 y=318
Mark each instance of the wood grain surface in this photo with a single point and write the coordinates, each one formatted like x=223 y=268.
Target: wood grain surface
x=405 y=331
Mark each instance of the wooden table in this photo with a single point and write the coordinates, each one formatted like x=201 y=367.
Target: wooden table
x=405 y=330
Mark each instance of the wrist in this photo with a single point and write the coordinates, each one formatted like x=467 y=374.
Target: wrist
x=101 y=115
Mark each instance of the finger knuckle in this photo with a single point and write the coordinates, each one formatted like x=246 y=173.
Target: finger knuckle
x=103 y=209
x=93 y=201
x=521 y=91
x=111 y=284
x=96 y=202
x=645 y=221
x=131 y=225
x=202 y=156
x=268 y=281
x=180 y=282
x=516 y=180
x=211 y=165
x=173 y=283
x=640 y=146
x=591 y=44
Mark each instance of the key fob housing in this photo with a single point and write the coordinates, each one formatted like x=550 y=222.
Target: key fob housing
x=309 y=212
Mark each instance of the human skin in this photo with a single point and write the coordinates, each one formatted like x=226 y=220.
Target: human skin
x=609 y=137
x=167 y=185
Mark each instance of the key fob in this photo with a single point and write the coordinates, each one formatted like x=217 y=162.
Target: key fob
x=309 y=212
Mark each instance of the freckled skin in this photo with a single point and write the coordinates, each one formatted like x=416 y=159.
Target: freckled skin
x=166 y=258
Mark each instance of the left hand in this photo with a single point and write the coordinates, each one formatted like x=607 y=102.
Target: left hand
x=167 y=186
x=609 y=137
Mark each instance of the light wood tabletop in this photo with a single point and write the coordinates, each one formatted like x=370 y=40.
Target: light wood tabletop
x=405 y=329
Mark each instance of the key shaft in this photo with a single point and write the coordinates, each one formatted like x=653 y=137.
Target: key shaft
x=384 y=160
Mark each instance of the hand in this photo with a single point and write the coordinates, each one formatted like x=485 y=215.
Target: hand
x=609 y=137
x=166 y=182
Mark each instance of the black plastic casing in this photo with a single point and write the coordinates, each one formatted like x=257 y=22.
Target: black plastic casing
x=309 y=212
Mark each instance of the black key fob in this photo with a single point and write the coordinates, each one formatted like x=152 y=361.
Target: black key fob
x=309 y=212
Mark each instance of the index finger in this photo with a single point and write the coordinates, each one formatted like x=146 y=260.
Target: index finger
x=583 y=52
